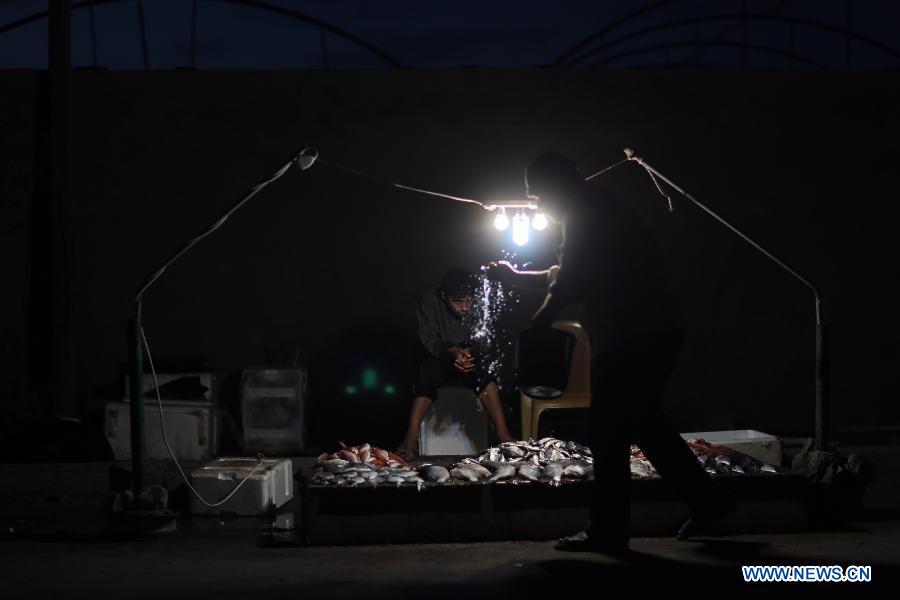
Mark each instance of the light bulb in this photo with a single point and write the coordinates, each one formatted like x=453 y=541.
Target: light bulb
x=501 y=221
x=520 y=229
x=540 y=222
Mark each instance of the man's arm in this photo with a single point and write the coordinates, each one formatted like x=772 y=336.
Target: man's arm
x=548 y=311
x=571 y=279
x=535 y=280
x=429 y=334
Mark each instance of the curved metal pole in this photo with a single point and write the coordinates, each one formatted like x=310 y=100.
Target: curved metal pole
x=314 y=21
x=143 y=27
x=736 y=17
x=251 y=3
x=668 y=45
x=609 y=27
x=135 y=327
x=820 y=417
x=296 y=160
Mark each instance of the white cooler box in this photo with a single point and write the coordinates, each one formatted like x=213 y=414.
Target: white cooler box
x=455 y=425
x=270 y=486
x=191 y=427
x=759 y=445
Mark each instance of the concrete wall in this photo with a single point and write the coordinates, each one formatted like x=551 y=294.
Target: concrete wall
x=801 y=161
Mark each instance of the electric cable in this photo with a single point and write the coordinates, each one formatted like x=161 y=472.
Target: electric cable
x=138 y=301
x=162 y=421
x=404 y=187
x=221 y=221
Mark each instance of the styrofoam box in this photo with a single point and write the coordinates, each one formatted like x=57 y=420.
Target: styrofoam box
x=455 y=425
x=270 y=486
x=191 y=427
x=759 y=445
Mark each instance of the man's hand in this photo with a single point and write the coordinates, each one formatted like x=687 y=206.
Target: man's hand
x=501 y=270
x=463 y=361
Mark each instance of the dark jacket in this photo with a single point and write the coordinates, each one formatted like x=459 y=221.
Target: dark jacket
x=611 y=264
x=439 y=329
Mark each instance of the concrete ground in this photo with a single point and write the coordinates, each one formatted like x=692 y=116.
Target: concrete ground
x=56 y=545
x=232 y=564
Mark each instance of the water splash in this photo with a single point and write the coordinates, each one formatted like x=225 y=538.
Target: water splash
x=493 y=300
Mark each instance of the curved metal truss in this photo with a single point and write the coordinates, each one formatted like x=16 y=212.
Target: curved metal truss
x=256 y=4
x=596 y=44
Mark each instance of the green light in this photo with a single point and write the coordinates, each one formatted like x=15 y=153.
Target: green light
x=350 y=390
x=370 y=378
x=389 y=389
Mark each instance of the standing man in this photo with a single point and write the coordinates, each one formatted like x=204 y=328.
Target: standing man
x=445 y=334
x=610 y=264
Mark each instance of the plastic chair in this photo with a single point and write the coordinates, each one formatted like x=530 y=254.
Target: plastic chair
x=578 y=390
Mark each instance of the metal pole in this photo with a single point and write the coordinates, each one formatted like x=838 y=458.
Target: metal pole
x=143 y=28
x=136 y=393
x=61 y=343
x=135 y=334
x=820 y=423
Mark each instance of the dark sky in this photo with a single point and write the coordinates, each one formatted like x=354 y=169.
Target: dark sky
x=438 y=34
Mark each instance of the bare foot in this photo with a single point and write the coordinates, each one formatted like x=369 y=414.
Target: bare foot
x=407 y=453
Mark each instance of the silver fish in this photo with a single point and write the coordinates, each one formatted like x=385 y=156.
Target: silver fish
x=356 y=480
x=435 y=473
x=555 y=472
x=481 y=470
x=575 y=471
x=396 y=479
x=504 y=472
x=641 y=468
x=511 y=453
x=464 y=473
x=476 y=468
x=529 y=471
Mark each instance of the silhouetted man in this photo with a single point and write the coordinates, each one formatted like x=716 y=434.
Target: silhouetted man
x=610 y=264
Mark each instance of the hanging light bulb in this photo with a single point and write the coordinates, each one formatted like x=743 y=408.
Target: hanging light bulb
x=540 y=222
x=501 y=221
x=520 y=228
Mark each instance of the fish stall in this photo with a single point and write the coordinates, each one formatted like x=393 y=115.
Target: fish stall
x=530 y=489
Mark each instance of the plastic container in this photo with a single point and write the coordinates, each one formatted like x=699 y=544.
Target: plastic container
x=191 y=426
x=759 y=445
x=270 y=486
x=273 y=410
x=455 y=425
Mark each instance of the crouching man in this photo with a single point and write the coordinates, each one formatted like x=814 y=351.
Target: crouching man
x=449 y=357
